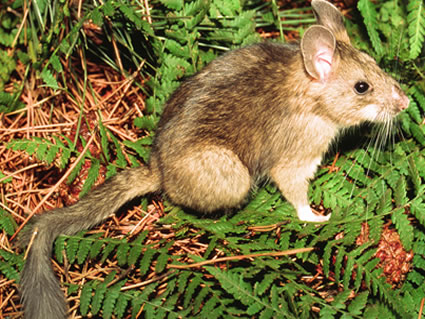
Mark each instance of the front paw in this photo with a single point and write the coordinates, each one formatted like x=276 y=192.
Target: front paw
x=306 y=214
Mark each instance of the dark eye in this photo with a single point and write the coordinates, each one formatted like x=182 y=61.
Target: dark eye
x=361 y=87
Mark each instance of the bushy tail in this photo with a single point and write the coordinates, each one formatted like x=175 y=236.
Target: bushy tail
x=42 y=297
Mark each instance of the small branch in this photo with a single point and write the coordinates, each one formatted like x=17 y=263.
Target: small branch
x=230 y=258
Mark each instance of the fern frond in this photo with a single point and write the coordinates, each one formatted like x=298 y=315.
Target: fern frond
x=122 y=252
x=49 y=79
x=416 y=29
x=71 y=248
x=122 y=304
x=9 y=102
x=145 y=263
x=417 y=207
x=99 y=295
x=368 y=11
x=10 y=265
x=234 y=284
x=42 y=148
x=173 y=4
x=86 y=297
x=111 y=298
x=7 y=223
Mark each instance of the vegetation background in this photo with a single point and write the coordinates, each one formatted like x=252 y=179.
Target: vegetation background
x=82 y=86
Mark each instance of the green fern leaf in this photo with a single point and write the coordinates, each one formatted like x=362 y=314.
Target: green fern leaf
x=416 y=29
x=83 y=250
x=100 y=290
x=358 y=304
x=59 y=248
x=145 y=263
x=327 y=253
x=352 y=233
x=418 y=133
x=405 y=122
x=134 y=254
x=267 y=313
x=163 y=257
x=111 y=298
x=9 y=266
x=85 y=298
x=137 y=302
x=7 y=223
x=414 y=174
x=417 y=207
x=341 y=253
x=122 y=252
x=92 y=176
x=72 y=288
x=419 y=96
x=193 y=285
x=234 y=284
x=404 y=228
x=200 y=298
x=121 y=305
x=211 y=309
x=385 y=203
x=177 y=49
x=265 y=283
x=9 y=271
x=9 y=102
x=254 y=308
x=54 y=60
x=173 y=4
x=228 y=8
x=415 y=277
x=96 y=247
x=368 y=11
x=193 y=7
x=72 y=245
x=194 y=21
x=340 y=299
x=42 y=148
x=51 y=153
x=108 y=249
x=49 y=79
x=348 y=270
x=400 y=192
x=414 y=111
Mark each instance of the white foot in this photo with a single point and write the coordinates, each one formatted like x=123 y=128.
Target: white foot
x=306 y=214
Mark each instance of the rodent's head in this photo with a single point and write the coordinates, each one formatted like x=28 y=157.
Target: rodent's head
x=348 y=84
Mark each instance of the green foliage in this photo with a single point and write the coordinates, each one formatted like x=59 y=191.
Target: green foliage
x=7 y=223
x=368 y=186
x=416 y=21
x=10 y=265
x=369 y=14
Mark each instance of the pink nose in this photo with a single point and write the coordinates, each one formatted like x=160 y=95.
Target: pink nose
x=400 y=98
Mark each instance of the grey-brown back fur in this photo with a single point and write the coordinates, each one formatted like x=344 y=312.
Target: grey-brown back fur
x=267 y=110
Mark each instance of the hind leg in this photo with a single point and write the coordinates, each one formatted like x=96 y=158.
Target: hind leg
x=293 y=180
x=206 y=180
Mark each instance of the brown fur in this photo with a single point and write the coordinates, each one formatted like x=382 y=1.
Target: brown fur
x=255 y=112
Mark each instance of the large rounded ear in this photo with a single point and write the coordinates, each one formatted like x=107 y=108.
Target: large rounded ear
x=330 y=17
x=317 y=48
